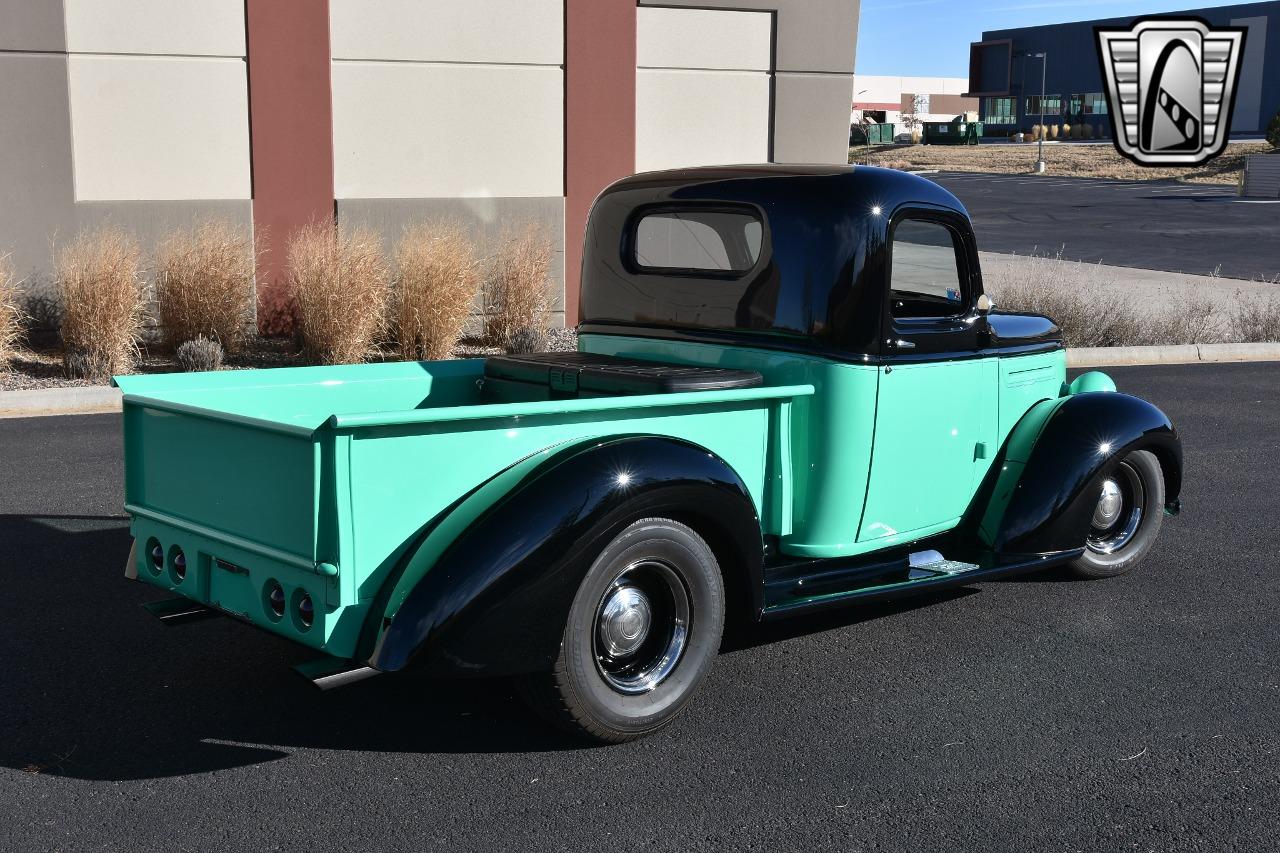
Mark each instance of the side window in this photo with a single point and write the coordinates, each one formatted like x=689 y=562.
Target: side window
x=698 y=240
x=925 y=276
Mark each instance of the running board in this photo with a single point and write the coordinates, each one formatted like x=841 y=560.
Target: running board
x=329 y=673
x=919 y=573
x=177 y=611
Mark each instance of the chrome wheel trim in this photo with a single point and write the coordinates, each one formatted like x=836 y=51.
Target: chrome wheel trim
x=1109 y=505
x=1115 y=527
x=641 y=627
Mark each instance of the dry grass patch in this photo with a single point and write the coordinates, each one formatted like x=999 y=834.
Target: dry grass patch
x=11 y=313
x=517 y=293
x=1077 y=296
x=436 y=283
x=339 y=285
x=103 y=302
x=204 y=284
x=1256 y=320
x=1085 y=161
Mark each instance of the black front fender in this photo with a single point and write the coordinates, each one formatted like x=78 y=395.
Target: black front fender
x=1044 y=486
x=496 y=600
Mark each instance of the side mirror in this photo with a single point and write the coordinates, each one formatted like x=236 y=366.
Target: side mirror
x=985 y=304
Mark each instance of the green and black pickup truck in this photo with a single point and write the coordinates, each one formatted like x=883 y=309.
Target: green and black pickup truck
x=791 y=393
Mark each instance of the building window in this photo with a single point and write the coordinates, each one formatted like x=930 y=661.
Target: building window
x=1095 y=103
x=1052 y=105
x=998 y=111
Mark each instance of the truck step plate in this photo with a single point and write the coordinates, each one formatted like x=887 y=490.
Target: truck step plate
x=945 y=567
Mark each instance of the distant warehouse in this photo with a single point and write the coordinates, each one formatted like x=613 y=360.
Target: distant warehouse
x=1004 y=72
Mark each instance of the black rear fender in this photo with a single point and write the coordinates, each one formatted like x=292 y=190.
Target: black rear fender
x=495 y=600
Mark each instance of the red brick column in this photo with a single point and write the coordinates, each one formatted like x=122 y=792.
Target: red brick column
x=290 y=127
x=599 y=117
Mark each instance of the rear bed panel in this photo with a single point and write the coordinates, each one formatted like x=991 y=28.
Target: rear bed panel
x=226 y=476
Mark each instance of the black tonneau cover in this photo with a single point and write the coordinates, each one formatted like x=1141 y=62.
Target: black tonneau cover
x=571 y=372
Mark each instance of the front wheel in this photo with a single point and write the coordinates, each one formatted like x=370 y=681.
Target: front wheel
x=642 y=632
x=1126 y=518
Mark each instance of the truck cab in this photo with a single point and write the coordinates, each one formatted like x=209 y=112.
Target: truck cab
x=791 y=393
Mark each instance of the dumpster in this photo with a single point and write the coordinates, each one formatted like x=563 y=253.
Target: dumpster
x=957 y=131
x=871 y=134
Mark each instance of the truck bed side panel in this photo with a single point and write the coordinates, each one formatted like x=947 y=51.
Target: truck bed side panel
x=401 y=477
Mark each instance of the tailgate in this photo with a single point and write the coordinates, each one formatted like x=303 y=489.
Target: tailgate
x=239 y=480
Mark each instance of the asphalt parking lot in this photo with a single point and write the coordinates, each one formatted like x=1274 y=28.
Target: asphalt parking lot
x=1139 y=713
x=1158 y=225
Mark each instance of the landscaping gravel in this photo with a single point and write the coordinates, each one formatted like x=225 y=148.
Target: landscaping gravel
x=41 y=367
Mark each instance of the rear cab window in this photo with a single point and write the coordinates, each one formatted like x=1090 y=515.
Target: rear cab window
x=697 y=241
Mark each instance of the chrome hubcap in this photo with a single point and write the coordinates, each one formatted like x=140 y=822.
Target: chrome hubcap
x=1109 y=505
x=641 y=628
x=624 y=621
x=1118 y=515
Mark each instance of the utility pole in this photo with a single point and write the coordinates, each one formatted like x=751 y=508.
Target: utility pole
x=1044 y=63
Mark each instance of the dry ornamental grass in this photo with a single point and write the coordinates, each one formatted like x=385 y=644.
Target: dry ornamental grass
x=11 y=314
x=204 y=284
x=517 y=294
x=99 y=285
x=339 y=285
x=1257 y=320
x=437 y=280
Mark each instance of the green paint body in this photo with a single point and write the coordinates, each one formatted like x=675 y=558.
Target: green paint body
x=322 y=478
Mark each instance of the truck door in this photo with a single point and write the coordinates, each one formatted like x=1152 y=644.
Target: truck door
x=933 y=394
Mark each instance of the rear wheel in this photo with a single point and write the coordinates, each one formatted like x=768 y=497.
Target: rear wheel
x=1126 y=519
x=642 y=632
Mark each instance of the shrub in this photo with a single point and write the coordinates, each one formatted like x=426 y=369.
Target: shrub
x=1273 y=130
x=339 y=284
x=11 y=313
x=204 y=283
x=199 y=353
x=1073 y=294
x=1256 y=320
x=1188 y=319
x=102 y=302
x=527 y=340
x=517 y=293
x=437 y=280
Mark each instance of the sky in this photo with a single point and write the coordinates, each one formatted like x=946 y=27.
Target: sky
x=930 y=38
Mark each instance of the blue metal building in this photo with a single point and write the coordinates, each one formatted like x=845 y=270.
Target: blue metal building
x=1005 y=74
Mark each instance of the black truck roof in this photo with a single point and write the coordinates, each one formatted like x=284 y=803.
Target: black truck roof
x=807 y=276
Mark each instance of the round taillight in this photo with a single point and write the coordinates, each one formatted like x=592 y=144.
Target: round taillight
x=179 y=564
x=275 y=599
x=157 y=557
x=306 y=610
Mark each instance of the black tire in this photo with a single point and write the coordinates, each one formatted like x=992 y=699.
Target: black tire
x=611 y=700
x=1115 y=548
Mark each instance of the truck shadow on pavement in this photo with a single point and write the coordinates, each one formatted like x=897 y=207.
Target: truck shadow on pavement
x=96 y=688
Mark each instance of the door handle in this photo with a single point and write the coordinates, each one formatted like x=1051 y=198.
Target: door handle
x=899 y=343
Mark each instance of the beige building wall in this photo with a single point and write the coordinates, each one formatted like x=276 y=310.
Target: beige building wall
x=453 y=108
x=173 y=27
x=703 y=87
x=809 y=70
x=133 y=112
x=159 y=128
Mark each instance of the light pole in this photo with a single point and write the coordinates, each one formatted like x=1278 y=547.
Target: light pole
x=1044 y=63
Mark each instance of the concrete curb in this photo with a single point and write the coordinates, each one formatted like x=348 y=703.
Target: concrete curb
x=80 y=400
x=94 y=399
x=1188 y=354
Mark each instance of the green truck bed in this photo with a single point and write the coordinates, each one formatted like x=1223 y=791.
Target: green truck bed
x=319 y=478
